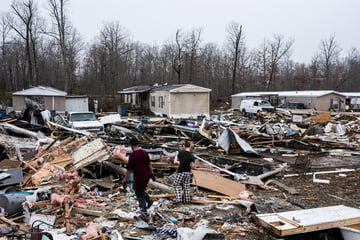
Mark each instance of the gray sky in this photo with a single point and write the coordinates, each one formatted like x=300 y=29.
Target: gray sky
x=155 y=21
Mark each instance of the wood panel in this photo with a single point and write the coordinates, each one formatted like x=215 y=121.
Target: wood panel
x=217 y=183
x=309 y=220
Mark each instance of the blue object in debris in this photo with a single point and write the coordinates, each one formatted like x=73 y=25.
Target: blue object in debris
x=250 y=115
x=53 y=113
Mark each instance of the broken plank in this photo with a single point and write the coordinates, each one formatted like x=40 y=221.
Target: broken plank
x=221 y=196
x=83 y=132
x=88 y=212
x=216 y=202
x=217 y=183
x=7 y=221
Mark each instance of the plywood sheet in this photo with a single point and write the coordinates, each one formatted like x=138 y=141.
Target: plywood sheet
x=217 y=183
x=300 y=221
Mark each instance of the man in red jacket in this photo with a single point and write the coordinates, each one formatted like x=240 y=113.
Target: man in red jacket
x=139 y=163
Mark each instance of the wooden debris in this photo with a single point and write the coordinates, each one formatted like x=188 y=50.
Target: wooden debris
x=216 y=202
x=217 y=183
x=310 y=198
x=302 y=221
x=88 y=211
x=67 y=209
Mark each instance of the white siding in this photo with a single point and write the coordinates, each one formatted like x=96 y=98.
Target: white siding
x=77 y=104
x=193 y=104
x=160 y=109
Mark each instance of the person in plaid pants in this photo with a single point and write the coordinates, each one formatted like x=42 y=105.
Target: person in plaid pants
x=182 y=180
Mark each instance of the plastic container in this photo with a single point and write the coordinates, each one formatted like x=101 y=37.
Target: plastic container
x=12 y=202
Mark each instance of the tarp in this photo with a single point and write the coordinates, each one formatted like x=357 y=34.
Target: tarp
x=228 y=136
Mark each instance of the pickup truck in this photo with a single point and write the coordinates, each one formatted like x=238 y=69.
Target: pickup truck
x=84 y=121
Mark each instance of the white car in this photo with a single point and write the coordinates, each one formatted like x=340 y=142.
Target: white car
x=84 y=121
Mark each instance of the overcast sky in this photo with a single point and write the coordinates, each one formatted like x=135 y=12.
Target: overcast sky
x=155 y=21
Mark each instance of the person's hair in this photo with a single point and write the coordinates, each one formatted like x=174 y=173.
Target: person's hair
x=134 y=142
x=187 y=144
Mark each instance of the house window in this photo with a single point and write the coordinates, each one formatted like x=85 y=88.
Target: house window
x=153 y=101
x=335 y=104
x=161 y=102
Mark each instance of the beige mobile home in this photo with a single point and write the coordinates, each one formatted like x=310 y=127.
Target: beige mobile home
x=180 y=101
x=49 y=98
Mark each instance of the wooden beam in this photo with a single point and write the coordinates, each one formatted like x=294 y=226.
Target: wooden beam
x=216 y=202
x=88 y=212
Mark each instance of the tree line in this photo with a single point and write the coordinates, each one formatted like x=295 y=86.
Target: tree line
x=48 y=50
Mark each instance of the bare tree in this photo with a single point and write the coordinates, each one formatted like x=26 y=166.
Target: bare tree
x=279 y=48
x=112 y=60
x=177 y=61
x=24 y=24
x=260 y=61
x=269 y=56
x=5 y=29
x=351 y=71
x=236 y=45
x=193 y=41
x=329 y=57
x=67 y=39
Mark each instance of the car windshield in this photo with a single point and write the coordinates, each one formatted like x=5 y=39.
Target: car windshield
x=83 y=117
x=265 y=103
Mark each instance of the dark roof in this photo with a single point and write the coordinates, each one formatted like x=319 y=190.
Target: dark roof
x=137 y=89
x=182 y=88
x=170 y=87
x=148 y=88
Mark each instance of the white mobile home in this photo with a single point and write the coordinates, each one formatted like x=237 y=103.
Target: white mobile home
x=319 y=100
x=180 y=101
x=352 y=101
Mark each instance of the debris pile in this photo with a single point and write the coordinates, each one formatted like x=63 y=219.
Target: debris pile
x=252 y=175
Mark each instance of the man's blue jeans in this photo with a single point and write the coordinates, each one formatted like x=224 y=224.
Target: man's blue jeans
x=142 y=197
